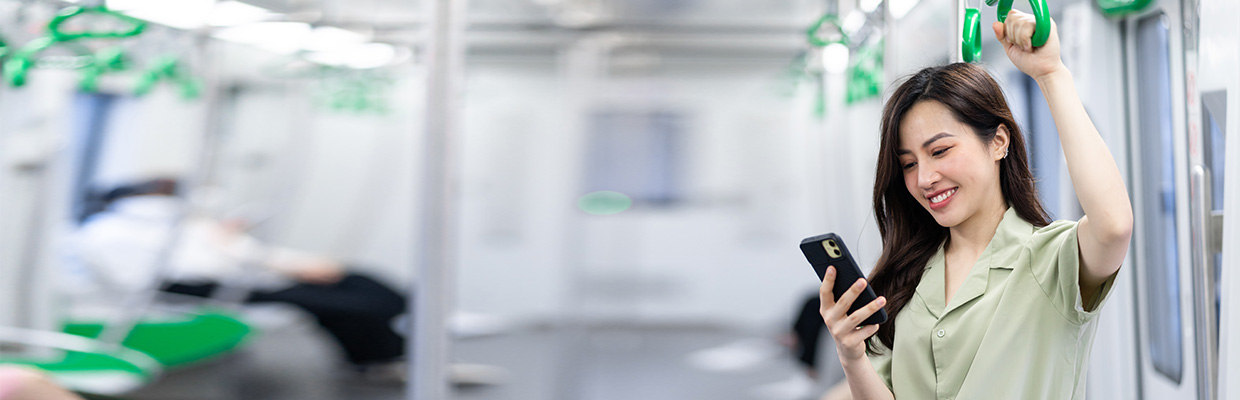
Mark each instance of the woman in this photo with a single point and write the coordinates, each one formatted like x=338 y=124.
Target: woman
x=986 y=297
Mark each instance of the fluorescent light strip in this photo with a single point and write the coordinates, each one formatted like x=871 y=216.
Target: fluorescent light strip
x=276 y=37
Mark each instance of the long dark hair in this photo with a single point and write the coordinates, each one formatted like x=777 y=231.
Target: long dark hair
x=910 y=234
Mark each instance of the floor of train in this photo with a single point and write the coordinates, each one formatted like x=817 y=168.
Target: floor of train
x=298 y=362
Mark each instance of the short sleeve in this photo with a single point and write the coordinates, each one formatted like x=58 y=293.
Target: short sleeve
x=1055 y=260
x=881 y=362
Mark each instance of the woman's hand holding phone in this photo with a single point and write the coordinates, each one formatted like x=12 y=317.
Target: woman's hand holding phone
x=849 y=337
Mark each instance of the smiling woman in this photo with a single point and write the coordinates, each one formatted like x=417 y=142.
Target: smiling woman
x=943 y=132
x=979 y=279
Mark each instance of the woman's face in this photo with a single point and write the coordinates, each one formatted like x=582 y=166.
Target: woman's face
x=946 y=166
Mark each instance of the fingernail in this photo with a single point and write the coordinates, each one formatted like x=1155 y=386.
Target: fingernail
x=830 y=270
x=882 y=301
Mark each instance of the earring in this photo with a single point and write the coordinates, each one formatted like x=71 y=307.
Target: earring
x=1005 y=153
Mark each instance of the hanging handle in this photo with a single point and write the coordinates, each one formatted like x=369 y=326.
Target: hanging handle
x=813 y=34
x=54 y=30
x=971 y=38
x=18 y=67
x=105 y=60
x=167 y=68
x=1041 y=13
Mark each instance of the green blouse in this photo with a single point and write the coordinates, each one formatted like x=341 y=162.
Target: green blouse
x=1015 y=329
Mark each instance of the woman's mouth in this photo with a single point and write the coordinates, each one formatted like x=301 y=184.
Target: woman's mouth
x=940 y=200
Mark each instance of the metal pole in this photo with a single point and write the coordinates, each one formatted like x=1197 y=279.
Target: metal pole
x=433 y=289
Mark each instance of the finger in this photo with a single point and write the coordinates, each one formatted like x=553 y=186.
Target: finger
x=1001 y=34
x=1054 y=32
x=846 y=301
x=865 y=312
x=826 y=293
x=1026 y=33
x=1010 y=32
x=860 y=334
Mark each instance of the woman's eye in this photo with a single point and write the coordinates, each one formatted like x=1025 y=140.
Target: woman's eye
x=909 y=165
x=940 y=152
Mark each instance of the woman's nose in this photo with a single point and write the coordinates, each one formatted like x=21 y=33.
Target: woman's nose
x=927 y=176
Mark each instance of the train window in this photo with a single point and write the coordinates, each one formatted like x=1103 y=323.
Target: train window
x=93 y=110
x=1158 y=211
x=636 y=153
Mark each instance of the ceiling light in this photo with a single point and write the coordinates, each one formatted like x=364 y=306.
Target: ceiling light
x=276 y=37
x=183 y=14
x=853 y=22
x=869 y=5
x=900 y=8
x=230 y=13
x=835 y=58
x=327 y=38
x=363 y=56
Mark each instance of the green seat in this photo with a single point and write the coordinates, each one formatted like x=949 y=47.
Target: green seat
x=176 y=343
x=87 y=366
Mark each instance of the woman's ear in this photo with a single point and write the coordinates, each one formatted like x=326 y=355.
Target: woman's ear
x=999 y=145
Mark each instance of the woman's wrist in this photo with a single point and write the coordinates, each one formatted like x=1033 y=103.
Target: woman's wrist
x=1057 y=74
x=849 y=363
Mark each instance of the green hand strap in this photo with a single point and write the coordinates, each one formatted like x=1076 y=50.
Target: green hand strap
x=971 y=43
x=107 y=59
x=813 y=34
x=167 y=68
x=18 y=67
x=136 y=26
x=1040 y=12
x=162 y=68
x=1120 y=8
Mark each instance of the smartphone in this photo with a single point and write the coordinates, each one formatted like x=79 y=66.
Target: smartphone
x=828 y=250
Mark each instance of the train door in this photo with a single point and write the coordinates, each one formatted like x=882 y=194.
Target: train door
x=1216 y=83
x=1173 y=180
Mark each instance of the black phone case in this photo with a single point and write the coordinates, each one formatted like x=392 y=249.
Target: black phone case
x=846 y=273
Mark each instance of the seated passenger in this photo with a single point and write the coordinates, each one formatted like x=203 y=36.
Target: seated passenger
x=120 y=246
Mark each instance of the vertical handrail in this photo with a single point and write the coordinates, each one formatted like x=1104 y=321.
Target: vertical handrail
x=431 y=301
x=1203 y=284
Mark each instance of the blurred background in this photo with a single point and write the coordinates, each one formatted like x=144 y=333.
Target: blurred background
x=554 y=199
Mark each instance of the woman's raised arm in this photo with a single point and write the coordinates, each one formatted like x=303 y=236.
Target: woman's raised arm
x=1106 y=229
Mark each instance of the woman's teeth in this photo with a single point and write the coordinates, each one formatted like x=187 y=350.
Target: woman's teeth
x=944 y=196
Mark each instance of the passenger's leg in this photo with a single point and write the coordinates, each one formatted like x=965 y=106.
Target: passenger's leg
x=356 y=310
x=808 y=329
